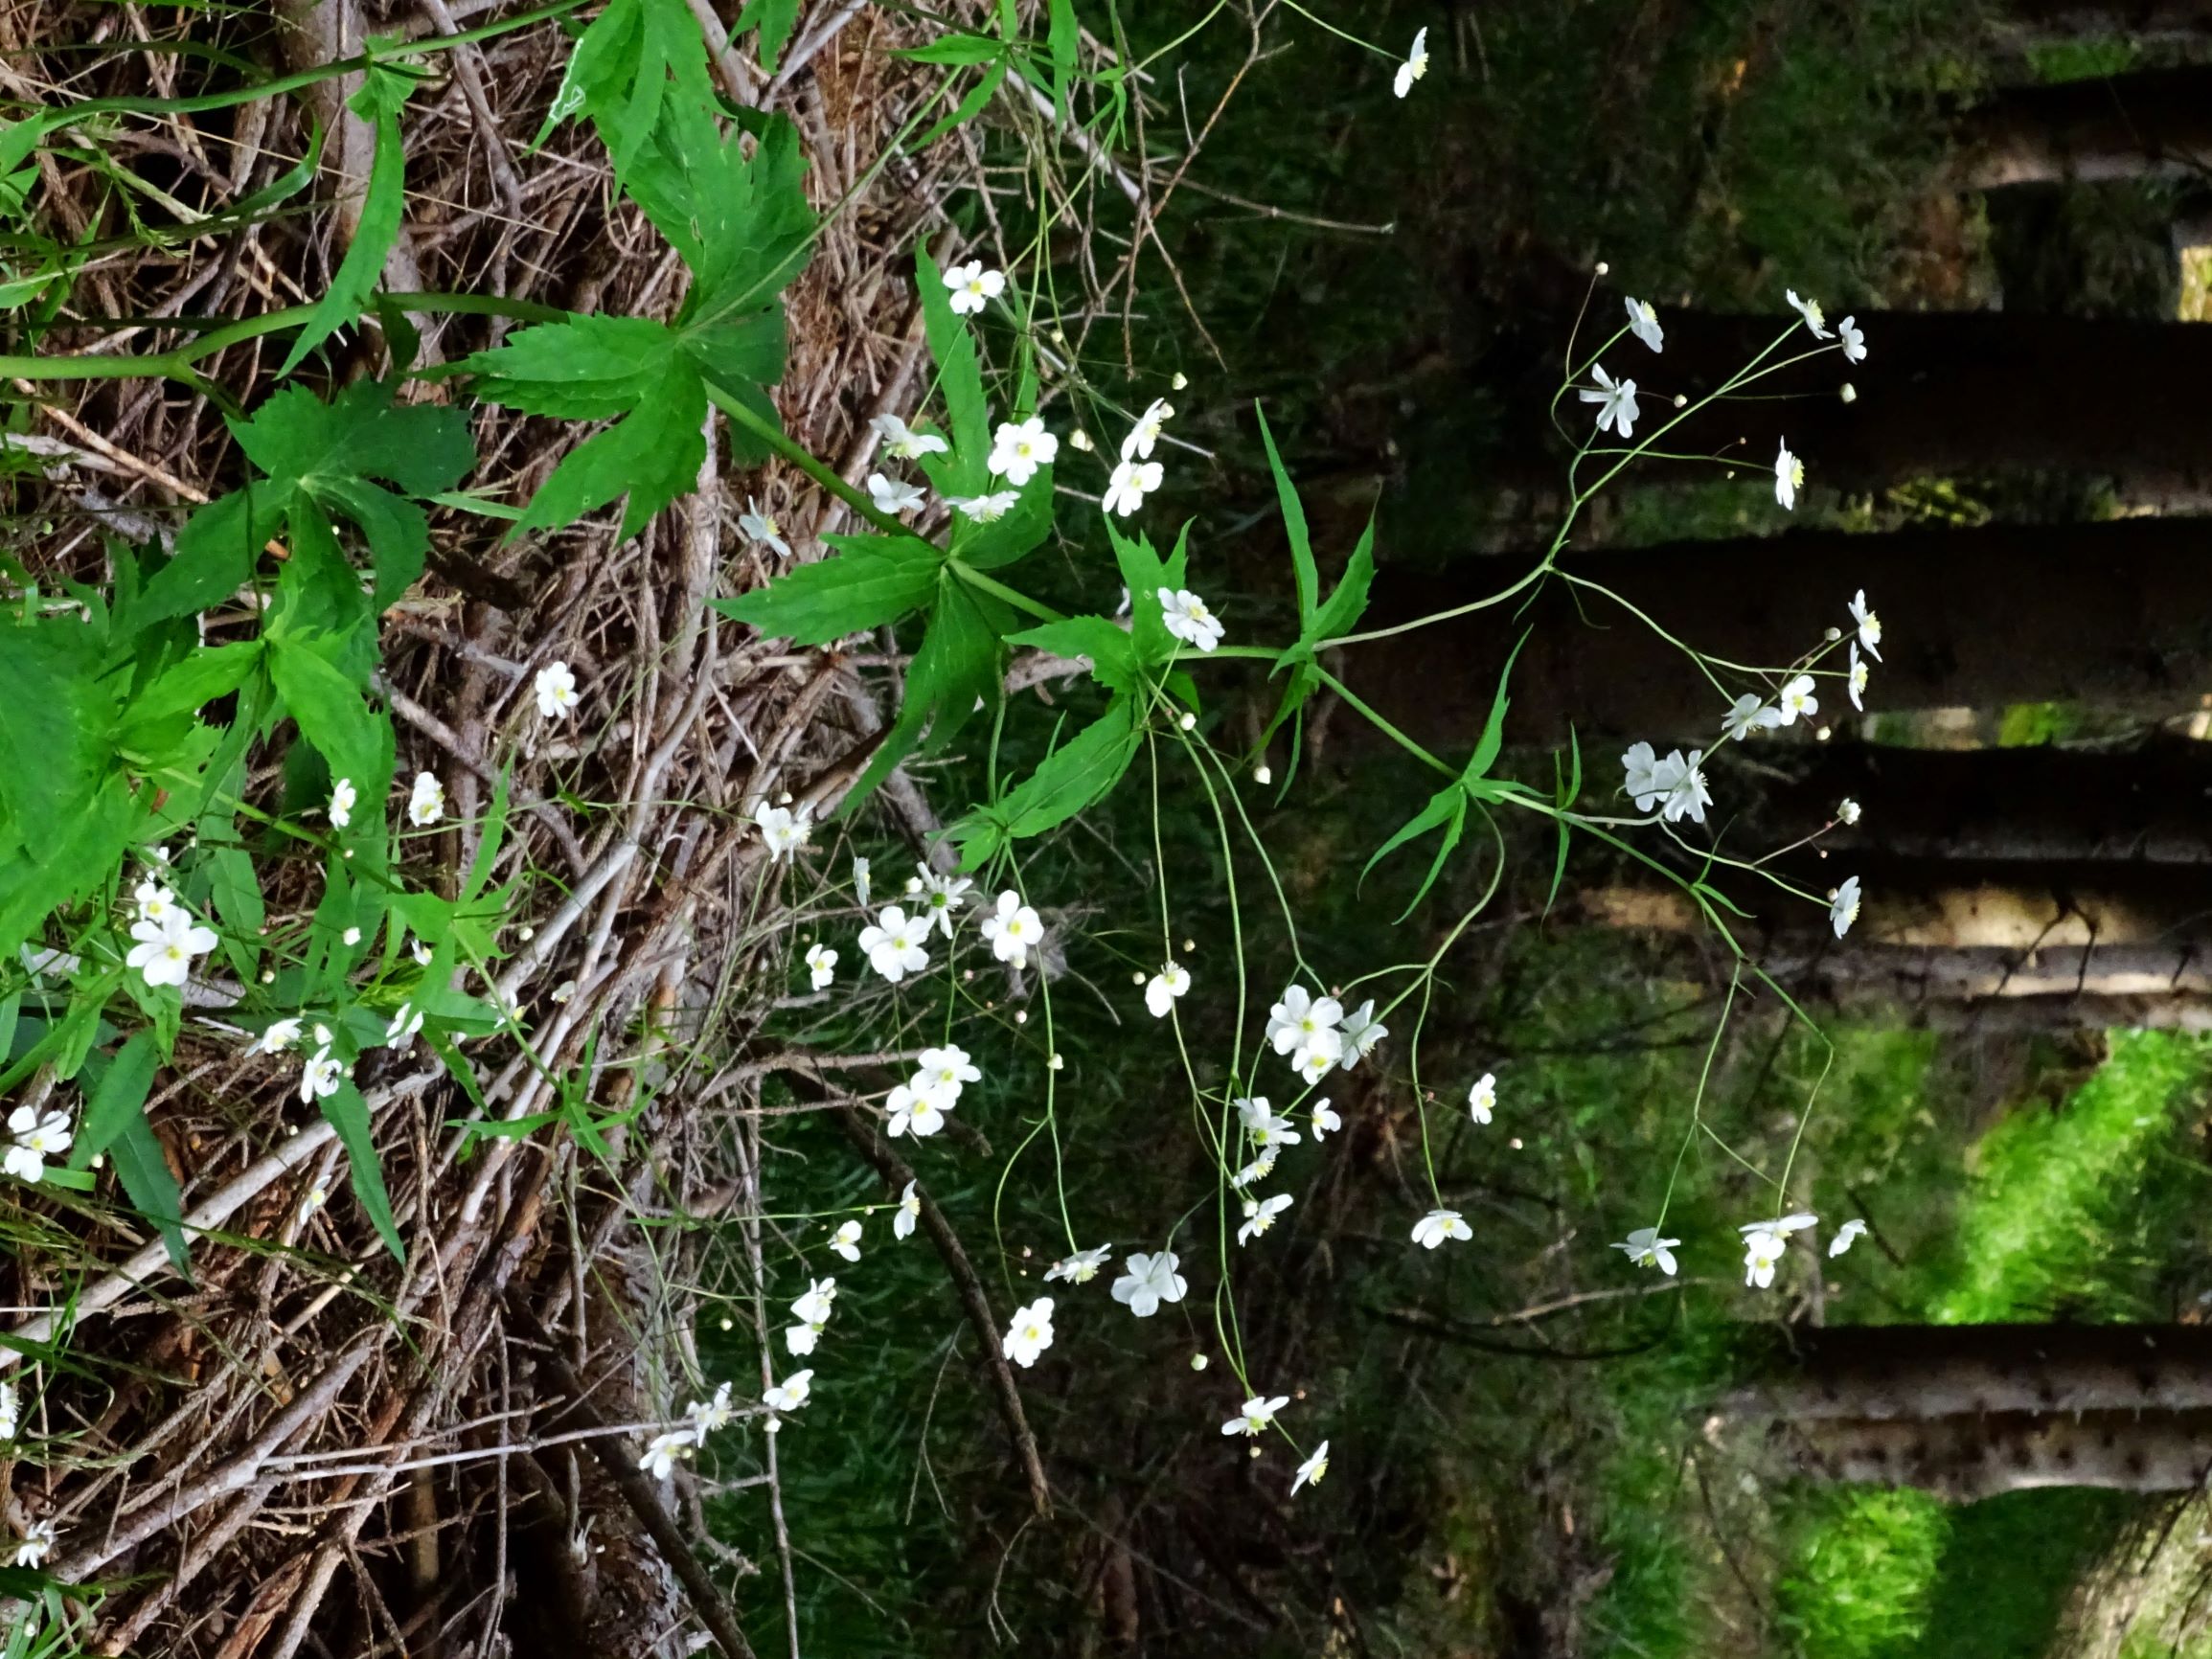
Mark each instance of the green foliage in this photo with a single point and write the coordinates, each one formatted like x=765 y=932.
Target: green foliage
x=383 y=93
x=1864 y=1564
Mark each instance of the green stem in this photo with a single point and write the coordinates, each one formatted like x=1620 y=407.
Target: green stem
x=1384 y=726
x=975 y=578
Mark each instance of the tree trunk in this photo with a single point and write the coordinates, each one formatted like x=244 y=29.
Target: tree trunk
x=2138 y=20
x=2115 y=613
x=1966 y=1458
x=2144 y=804
x=2152 y=121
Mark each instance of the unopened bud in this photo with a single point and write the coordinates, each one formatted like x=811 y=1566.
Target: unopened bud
x=1021 y=1016
x=1055 y=1063
x=1188 y=720
x=1681 y=401
x=1603 y=269
x=1180 y=380
x=1263 y=775
x=1832 y=635
x=1850 y=393
x=1197 y=1362
x=1079 y=439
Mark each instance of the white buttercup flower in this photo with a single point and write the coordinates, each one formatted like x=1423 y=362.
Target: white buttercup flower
x=892 y=497
x=1165 y=987
x=973 y=287
x=1415 y=66
x=425 y=801
x=1644 y=324
x=1132 y=481
x=821 y=966
x=1013 y=930
x=556 y=688
x=1031 y=1332
x=901 y=442
x=896 y=946
x=1189 y=620
x=1019 y=449
x=1438 y=1225
x=762 y=527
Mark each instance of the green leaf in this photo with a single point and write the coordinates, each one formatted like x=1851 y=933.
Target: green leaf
x=1061 y=40
x=1567 y=791
x=216 y=553
x=873 y=580
x=152 y=1191
x=775 y=20
x=960 y=379
x=1293 y=526
x=1447 y=809
x=54 y=751
x=589 y=368
x=1110 y=651
x=968 y=109
x=1493 y=738
x=119 y=1101
x=1145 y=573
x=328 y=706
x=349 y=1114
x=955 y=51
x=636 y=55
x=651 y=457
x=383 y=91
x=187 y=686
x=1010 y=537
x=1075 y=776
x=956 y=668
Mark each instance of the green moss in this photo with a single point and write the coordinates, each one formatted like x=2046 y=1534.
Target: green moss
x=1863 y=1570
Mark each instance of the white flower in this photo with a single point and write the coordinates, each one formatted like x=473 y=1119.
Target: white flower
x=1012 y=930
x=1782 y=1226
x=860 y=882
x=784 y=831
x=1438 y=1225
x=166 y=949
x=846 y=1240
x=815 y=1306
x=1299 y=1017
x=1132 y=481
x=1319 y=1055
x=1843 y=906
x=1747 y=715
x=36 y=1544
x=1869 y=624
x=895 y=498
x=1031 y=1332
x=662 y=1451
x=1788 y=477
x=343 y=795
x=947 y=894
x=946 y=1070
x=1847 y=810
x=319 y=1076
x=1324 y=1120
x=155 y=902
x=800 y=1339
x=708 y=1415
x=1482 y=1099
x=1260 y=1215
x=909 y=1213
x=1019 y=450
x=1171 y=981
x=821 y=965
x=1148 y=1281
x=1645 y=782
x=350 y=937
x=973 y=287
x=789 y=1395
x=1644 y=324
x=1761 y=1254
x=1853 y=340
x=1689 y=797
x=1081 y=1267
x=426 y=801
x=915 y=1111
x=1189 y=620
x=1310 y=1472
x=897 y=945
x=11 y=1409
x=987 y=508
x=316 y=1199
x=1257 y=1417
x=1617 y=401
x=1810 y=310
x=901 y=442
x=1415 y=66
x=34 y=1137
x=1851 y=1232
x=1263 y=1125
x=1138 y=445
x=556 y=688
x=1362 y=1033
x=405 y=1022
x=1647 y=1249
x=277 y=1035
x=1797 y=700
x=762 y=527
x=422 y=952
x=1258 y=1169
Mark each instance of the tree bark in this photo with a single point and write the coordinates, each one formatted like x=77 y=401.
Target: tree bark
x=2152 y=121
x=1966 y=1458
x=2116 y=613
x=2068 y=19
x=2145 y=804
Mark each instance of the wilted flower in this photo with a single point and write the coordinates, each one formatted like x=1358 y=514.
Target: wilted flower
x=710 y=1415
x=36 y=1544
x=860 y=882
x=1362 y=1032
x=1847 y=810
x=1081 y=1267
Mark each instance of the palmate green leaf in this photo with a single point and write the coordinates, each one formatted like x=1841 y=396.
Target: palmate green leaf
x=955 y=669
x=1006 y=539
x=1145 y=573
x=775 y=20
x=1493 y=738
x=188 y=684
x=1567 y=791
x=650 y=455
x=872 y=580
x=383 y=92
x=1447 y=809
x=966 y=471
x=636 y=55
x=351 y=738
x=1109 y=649
x=1074 y=777
x=216 y=553
x=54 y=736
x=588 y=367
x=348 y=1113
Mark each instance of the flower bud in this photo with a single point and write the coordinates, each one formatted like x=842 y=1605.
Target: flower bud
x=1681 y=401
x=1262 y=774
x=1603 y=269
x=1850 y=393
x=1188 y=720
x=1079 y=439
x=1180 y=380
x=1197 y=1362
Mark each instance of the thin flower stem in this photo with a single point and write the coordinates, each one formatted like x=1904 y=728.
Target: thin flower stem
x=1013 y=597
x=1384 y=726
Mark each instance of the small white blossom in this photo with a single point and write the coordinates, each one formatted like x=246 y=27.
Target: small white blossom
x=1145 y=433
x=1300 y=1016
x=1132 y=481
x=846 y=1240
x=1482 y=1097
x=315 y=1199
x=1647 y=1249
x=319 y=1078
x=166 y=949
x=946 y=1070
x=1189 y=620
x=1781 y=1226
x=1017 y=450
x=1160 y=993
x=1869 y=624
x=915 y=1111
x=1324 y=1120
x=1263 y=1126
x=908 y=1213
x=821 y=966
x=1438 y=1225
x=1260 y=1215
x=1761 y=1254
x=860 y=882
x=1081 y=1267
x=1846 y=1235
x=1362 y=1033
x=1319 y=1056
x=1847 y=810
x=1853 y=340
x=343 y=795
x=277 y=1035
x=901 y=442
x=1788 y=477
x=1797 y=700
x=34 y=1138
x=10 y=1410
x=422 y=952
x=1810 y=310
x=1415 y=66
x=1843 y=906
x=1616 y=401
x=788 y=1396
x=1012 y=930
x=1644 y=324
x=972 y=287
x=556 y=688
x=425 y=801
x=1257 y=1417
x=1258 y=1169
x=350 y=937
x=762 y=527
x=800 y=1339
x=985 y=509
x=663 y=1450
x=36 y=1544
x=1310 y=1472
x=405 y=1022
x=784 y=831
x=815 y=1306
x=1148 y=1281
x=1031 y=1332
x=153 y=902
x=945 y=894
x=897 y=945
x=1748 y=715
x=1687 y=797
x=892 y=497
